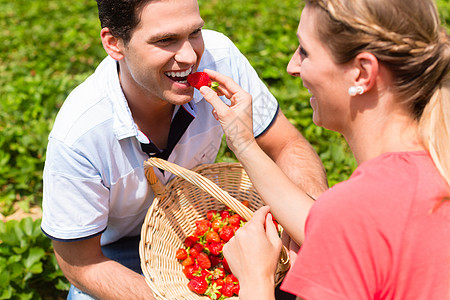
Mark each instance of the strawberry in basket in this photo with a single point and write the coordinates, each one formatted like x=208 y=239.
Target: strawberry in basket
x=202 y=258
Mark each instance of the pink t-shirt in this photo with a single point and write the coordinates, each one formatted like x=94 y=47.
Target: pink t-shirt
x=374 y=236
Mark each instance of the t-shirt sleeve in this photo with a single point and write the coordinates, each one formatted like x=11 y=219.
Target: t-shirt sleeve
x=338 y=259
x=75 y=201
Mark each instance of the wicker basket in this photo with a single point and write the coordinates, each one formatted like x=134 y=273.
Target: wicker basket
x=172 y=215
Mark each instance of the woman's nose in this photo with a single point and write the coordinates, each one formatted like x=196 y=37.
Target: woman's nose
x=293 y=67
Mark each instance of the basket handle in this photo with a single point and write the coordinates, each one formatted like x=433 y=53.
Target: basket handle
x=156 y=185
x=201 y=182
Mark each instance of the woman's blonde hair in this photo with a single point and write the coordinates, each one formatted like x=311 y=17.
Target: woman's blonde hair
x=407 y=38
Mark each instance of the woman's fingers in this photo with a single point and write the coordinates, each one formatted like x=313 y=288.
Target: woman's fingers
x=259 y=216
x=212 y=98
x=226 y=85
x=236 y=119
x=272 y=232
x=254 y=250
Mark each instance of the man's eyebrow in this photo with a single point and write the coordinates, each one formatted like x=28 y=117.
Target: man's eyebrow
x=161 y=36
x=165 y=35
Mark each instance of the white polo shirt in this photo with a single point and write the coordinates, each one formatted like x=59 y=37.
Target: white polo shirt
x=94 y=179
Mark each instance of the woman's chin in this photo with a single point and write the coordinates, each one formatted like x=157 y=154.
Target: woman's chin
x=316 y=119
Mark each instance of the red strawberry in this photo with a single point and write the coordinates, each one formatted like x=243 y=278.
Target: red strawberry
x=246 y=203
x=203 y=261
x=231 y=279
x=188 y=261
x=235 y=228
x=216 y=224
x=190 y=271
x=181 y=254
x=219 y=282
x=195 y=250
x=236 y=289
x=215 y=260
x=226 y=233
x=225 y=265
x=277 y=226
x=193 y=253
x=206 y=274
x=199 y=79
x=224 y=214
x=215 y=248
x=202 y=227
x=227 y=289
x=212 y=237
x=190 y=241
x=199 y=247
x=198 y=285
x=235 y=220
x=212 y=214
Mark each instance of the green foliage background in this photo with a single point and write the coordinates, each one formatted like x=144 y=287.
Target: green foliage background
x=48 y=47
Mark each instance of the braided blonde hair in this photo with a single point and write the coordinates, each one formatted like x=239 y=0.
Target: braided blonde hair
x=407 y=38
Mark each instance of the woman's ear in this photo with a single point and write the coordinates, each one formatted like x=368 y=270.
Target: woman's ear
x=111 y=44
x=366 y=70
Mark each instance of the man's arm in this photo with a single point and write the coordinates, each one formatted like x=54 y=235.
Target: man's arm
x=85 y=266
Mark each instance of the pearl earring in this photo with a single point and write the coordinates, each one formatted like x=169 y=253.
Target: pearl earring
x=355 y=90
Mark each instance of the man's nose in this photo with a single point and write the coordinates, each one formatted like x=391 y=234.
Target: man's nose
x=186 y=53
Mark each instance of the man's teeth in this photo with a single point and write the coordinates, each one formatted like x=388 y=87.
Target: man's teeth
x=179 y=74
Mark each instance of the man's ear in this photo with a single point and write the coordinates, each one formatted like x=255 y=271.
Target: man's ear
x=112 y=45
x=366 y=70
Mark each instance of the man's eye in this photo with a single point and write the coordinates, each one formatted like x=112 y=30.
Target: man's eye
x=164 y=41
x=196 y=32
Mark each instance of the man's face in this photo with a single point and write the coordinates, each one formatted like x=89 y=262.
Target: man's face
x=164 y=48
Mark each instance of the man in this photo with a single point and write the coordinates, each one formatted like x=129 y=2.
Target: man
x=138 y=104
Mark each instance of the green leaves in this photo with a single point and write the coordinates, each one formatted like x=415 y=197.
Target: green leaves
x=27 y=264
x=47 y=49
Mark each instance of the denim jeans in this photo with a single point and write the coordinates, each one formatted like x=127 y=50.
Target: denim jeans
x=125 y=251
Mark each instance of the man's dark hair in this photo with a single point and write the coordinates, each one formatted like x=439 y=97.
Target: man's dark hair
x=120 y=16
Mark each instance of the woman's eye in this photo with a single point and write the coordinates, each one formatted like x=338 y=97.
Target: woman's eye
x=302 y=52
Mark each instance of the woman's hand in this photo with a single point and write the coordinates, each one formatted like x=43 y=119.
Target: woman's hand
x=253 y=255
x=236 y=119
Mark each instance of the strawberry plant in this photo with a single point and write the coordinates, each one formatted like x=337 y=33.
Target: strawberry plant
x=27 y=264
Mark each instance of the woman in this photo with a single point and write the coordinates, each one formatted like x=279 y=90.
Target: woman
x=378 y=72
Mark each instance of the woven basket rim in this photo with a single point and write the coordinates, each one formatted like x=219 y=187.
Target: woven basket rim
x=169 y=192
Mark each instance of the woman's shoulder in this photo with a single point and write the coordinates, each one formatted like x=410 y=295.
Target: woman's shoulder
x=392 y=171
x=387 y=182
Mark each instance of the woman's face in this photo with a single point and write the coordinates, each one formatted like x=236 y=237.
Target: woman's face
x=324 y=79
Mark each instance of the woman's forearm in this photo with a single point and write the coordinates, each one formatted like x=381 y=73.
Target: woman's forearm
x=289 y=204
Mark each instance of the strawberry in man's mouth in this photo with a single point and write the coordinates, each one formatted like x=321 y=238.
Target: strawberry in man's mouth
x=199 y=79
